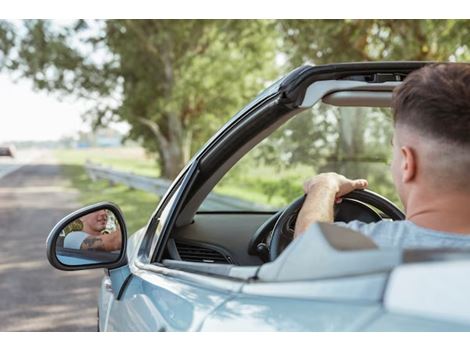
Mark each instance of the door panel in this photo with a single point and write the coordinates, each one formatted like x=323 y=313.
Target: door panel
x=161 y=302
x=398 y=322
x=257 y=313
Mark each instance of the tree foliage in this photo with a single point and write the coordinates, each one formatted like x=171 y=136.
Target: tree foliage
x=173 y=81
x=331 y=41
x=176 y=81
x=7 y=37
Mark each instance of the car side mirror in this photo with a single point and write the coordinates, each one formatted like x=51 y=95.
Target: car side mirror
x=91 y=237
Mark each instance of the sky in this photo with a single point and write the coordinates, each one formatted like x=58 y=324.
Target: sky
x=29 y=115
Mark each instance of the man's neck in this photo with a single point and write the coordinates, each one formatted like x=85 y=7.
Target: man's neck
x=441 y=212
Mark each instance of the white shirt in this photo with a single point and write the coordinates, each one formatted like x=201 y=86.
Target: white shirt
x=74 y=239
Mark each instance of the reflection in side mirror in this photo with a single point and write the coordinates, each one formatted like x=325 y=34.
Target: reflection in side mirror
x=91 y=237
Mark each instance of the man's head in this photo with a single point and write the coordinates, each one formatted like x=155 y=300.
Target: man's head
x=95 y=222
x=432 y=130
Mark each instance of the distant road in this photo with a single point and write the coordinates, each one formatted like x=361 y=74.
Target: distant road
x=23 y=157
x=33 y=295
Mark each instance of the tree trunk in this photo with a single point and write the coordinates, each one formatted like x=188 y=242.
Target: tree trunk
x=172 y=140
x=170 y=148
x=172 y=161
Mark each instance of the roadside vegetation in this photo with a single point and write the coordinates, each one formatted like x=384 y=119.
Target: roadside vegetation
x=136 y=205
x=261 y=184
x=176 y=82
x=270 y=175
x=129 y=159
x=266 y=185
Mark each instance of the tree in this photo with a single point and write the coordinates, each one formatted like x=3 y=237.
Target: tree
x=336 y=140
x=332 y=41
x=7 y=37
x=173 y=81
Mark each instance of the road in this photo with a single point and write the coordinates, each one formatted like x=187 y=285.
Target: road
x=33 y=295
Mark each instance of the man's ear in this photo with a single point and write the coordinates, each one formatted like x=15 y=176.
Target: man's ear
x=408 y=164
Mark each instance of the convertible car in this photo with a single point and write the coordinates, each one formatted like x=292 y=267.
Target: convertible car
x=201 y=265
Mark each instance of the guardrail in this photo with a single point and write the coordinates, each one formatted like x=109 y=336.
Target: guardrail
x=213 y=202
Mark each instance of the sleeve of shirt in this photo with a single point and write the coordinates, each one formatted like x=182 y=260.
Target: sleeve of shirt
x=74 y=239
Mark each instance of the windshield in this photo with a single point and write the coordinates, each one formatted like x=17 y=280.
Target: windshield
x=353 y=141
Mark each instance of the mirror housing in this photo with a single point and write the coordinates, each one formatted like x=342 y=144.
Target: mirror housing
x=69 y=258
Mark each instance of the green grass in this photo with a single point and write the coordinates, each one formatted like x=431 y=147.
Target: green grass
x=249 y=180
x=136 y=205
x=264 y=184
x=258 y=184
x=124 y=159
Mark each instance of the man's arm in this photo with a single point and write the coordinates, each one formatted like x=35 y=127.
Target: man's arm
x=108 y=242
x=322 y=192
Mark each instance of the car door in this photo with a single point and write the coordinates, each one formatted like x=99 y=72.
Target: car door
x=160 y=299
x=155 y=298
x=342 y=304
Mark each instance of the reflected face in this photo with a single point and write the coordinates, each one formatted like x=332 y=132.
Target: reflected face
x=95 y=221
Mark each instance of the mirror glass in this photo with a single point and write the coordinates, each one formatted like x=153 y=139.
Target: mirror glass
x=94 y=238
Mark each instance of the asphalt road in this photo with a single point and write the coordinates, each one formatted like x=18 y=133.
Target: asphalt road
x=33 y=295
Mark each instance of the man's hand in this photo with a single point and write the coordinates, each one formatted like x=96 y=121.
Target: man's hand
x=322 y=192
x=335 y=181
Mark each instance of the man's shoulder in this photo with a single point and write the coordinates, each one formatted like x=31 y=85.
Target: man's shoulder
x=405 y=233
x=381 y=231
x=75 y=233
x=74 y=239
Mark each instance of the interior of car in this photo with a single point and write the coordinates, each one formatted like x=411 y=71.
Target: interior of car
x=343 y=126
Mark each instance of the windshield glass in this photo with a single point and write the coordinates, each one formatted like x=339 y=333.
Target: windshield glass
x=353 y=141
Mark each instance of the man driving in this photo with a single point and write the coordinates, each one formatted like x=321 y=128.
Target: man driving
x=430 y=166
x=93 y=235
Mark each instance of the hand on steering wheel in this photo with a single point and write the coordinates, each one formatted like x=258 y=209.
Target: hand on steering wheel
x=283 y=232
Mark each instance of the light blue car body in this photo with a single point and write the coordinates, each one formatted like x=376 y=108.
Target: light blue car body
x=176 y=301
x=146 y=295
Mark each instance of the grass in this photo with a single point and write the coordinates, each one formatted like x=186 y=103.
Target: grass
x=136 y=205
x=264 y=184
x=258 y=184
x=125 y=159
x=248 y=180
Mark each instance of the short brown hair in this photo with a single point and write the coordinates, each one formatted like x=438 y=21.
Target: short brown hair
x=435 y=100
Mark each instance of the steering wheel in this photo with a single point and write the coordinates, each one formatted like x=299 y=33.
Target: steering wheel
x=354 y=205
